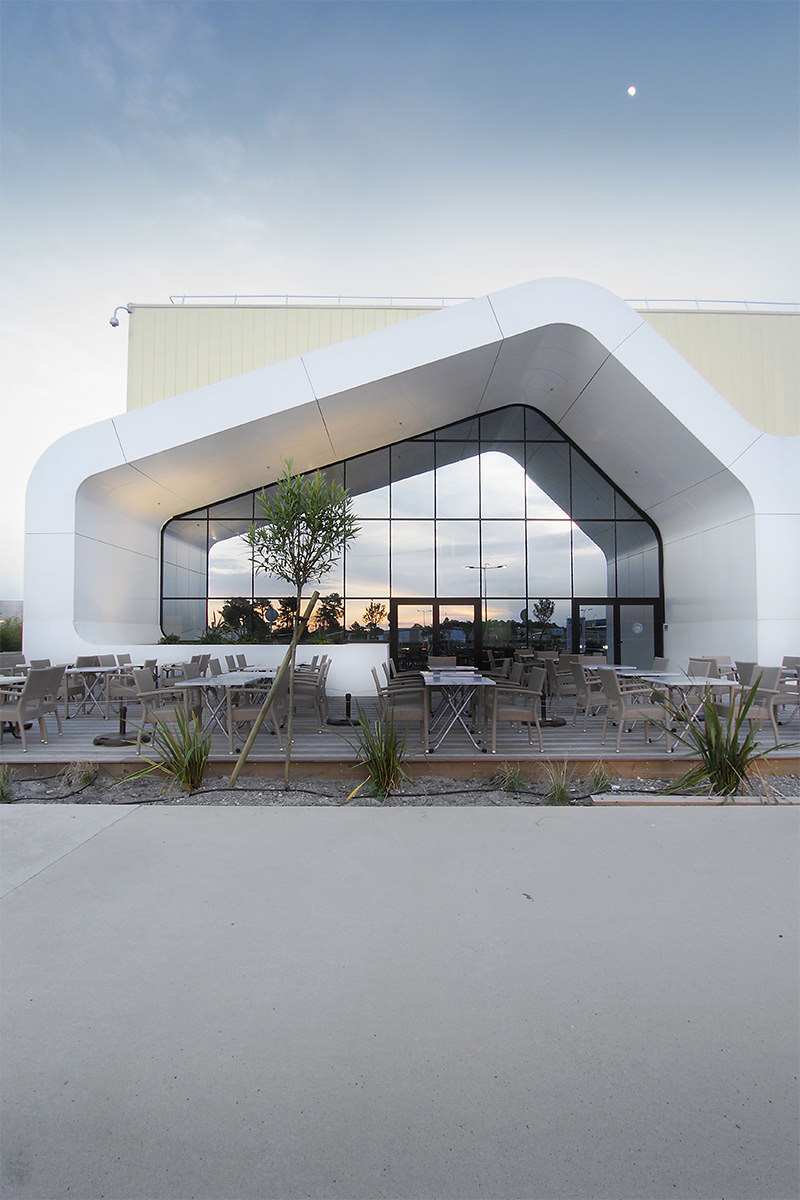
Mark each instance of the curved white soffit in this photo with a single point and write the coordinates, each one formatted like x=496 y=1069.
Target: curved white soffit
x=570 y=348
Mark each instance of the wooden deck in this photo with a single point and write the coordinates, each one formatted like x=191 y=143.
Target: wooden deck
x=330 y=752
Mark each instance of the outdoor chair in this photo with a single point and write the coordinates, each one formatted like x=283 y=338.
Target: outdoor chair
x=231 y=661
x=120 y=687
x=407 y=704
x=519 y=705
x=588 y=694
x=39 y=664
x=438 y=662
x=499 y=668
x=309 y=692
x=244 y=705
x=660 y=664
x=559 y=685
x=629 y=706
x=11 y=661
x=745 y=672
x=162 y=705
x=766 y=701
x=31 y=703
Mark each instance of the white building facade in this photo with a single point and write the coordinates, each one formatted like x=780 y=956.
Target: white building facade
x=544 y=442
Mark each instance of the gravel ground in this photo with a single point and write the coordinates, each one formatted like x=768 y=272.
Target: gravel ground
x=62 y=789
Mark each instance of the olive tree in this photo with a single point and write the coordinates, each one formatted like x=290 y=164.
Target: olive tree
x=307 y=523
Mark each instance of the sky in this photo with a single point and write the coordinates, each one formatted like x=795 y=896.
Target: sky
x=152 y=148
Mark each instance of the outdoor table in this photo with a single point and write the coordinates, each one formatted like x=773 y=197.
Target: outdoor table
x=680 y=685
x=457 y=687
x=93 y=680
x=11 y=681
x=223 y=683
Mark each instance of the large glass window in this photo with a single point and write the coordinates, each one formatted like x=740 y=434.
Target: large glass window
x=500 y=508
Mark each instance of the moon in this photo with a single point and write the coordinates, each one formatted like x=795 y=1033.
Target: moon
x=631 y=90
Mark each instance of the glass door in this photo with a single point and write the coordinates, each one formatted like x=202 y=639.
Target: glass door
x=629 y=633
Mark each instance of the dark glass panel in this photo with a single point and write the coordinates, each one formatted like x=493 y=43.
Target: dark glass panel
x=592 y=495
x=187 y=618
x=239 y=510
x=457 y=486
x=229 y=569
x=412 y=479
x=356 y=613
x=412 y=558
x=461 y=431
x=458 y=545
x=503 y=550
x=367 y=561
x=593 y=558
x=549 y=558
x=506 y=425
x=547 y=465
x=539 y=429
x=367 y=480
x=502 y=486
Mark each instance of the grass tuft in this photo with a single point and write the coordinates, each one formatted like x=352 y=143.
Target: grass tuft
x=509 y=777
x=181 y=753
x=599 y=776
x=557 y=782
x=79 y=774
x=8 y=777
x=382 y=752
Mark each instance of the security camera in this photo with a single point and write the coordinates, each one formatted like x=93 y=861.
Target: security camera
x=114 y=322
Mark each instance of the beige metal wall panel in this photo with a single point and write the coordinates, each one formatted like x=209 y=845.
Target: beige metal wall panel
x=176 y=348
x=752 y=359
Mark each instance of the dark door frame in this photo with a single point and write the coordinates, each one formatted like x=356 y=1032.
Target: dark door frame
x=618 y=602
x=434 y=603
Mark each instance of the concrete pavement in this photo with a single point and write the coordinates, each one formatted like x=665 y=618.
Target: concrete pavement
x=255 y=1003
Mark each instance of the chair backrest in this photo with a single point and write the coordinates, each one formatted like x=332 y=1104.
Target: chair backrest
x=123 y=660
x=190 y=670
x=106 y=660
x=142 y=680
x=534 y=681
x=215 y=666
x=35 y=688
x=769 y=681
x=660 y=664
x=791 y=661
x=611 y=688
x=700 y=668
x=581 y=684
x=515 y=672
x=38 y=663
x=441 y=660
x=745 y=671
x=87 y=660
x=231 y=661
x=56 y=677
x=241 y=661
x=10 y=659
